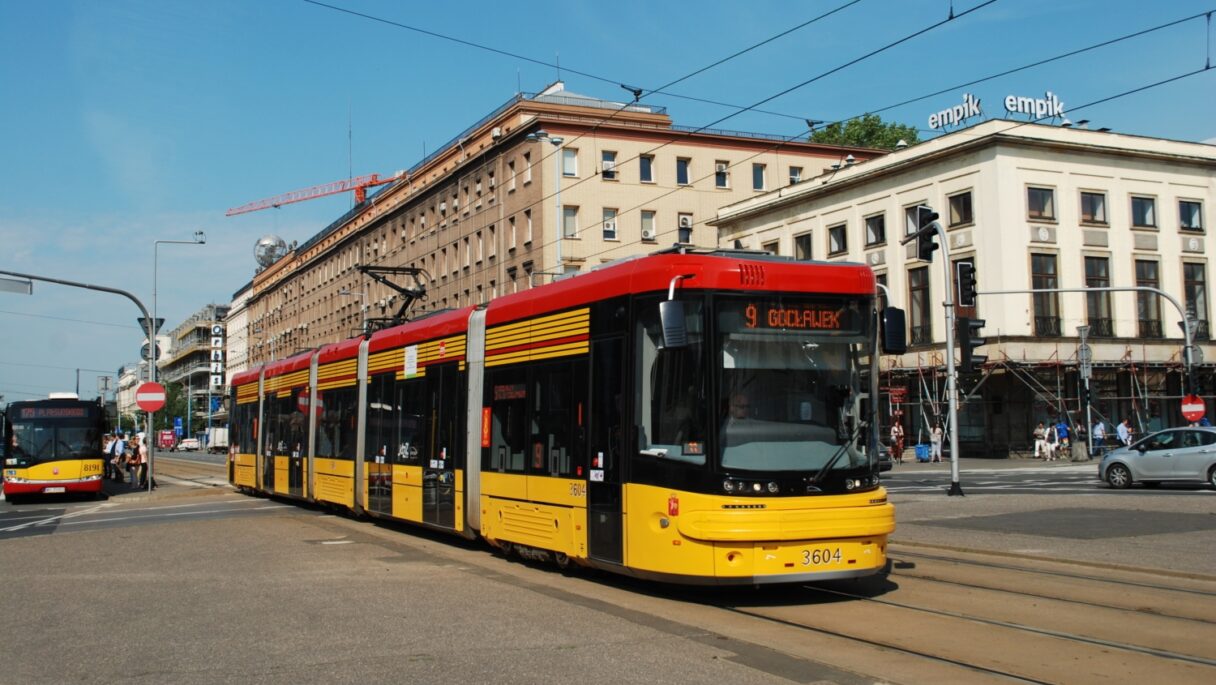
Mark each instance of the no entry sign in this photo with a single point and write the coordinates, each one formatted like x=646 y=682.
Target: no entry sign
x=1193 y=408
x=150 y=396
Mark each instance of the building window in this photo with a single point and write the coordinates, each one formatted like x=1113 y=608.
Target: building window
x=960 y=209
x=772 y=248
x=609 y=224
x=876 y=229
x=1093 y=208
x=1148 y=305
x=648 y=230
x=795 y=174
x=527 y=226
x=569 y=221
x=1041 y=203
x=802 y=247
x=511 y=176
x=646 y=168
x=1044 y=275
x=1194 y=283
x=1190 y=215
x=511 y=222
x=608 y=164
x=721 y=174
x=758 y=181
x=527 y=168
x=838 y=239
x=1097 y=303
x=682 y=164
x=919 y=308
x=684 y=228
x=569 y=161
x=1144 y=212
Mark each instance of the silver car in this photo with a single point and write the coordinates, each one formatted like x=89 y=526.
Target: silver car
x=1175 y=454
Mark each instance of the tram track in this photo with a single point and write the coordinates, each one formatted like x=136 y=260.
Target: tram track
x=1006 y=627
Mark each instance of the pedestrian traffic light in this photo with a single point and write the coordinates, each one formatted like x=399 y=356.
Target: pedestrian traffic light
x=966 y=284
x=966 y=329
x=926 y=237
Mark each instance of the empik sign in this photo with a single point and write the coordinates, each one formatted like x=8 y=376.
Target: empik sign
x=1039 y=108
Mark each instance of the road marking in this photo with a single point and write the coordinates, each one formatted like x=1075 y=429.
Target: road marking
x=61 y=517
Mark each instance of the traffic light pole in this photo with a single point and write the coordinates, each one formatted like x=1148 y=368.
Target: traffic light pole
x=951 y=372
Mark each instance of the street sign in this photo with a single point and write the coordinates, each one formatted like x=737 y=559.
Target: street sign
x=1192 y=408
x=1085 y=354
x=150 y=396
x=143 y=324
x=144 y=352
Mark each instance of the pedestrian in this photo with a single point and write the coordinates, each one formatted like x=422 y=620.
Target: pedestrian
x=897 y=442
x=1205 y=422
x=143 y=463
x=1124 y=431
x=935 y=442
x=1063 y=440
x=133 y=462
x=118 y=457
x=1040 y=441
x=1098 y=433
x=1051 y=438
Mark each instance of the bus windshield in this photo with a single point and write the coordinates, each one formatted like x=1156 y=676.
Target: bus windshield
x=789 y=387
x=51 y=434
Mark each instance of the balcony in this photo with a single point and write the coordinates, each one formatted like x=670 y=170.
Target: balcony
x=1202 y=330
x=1101 y=328
x=922 y=335
x=1150 y=328
x=1047 y=326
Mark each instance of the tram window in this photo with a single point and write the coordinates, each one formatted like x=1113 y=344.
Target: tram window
x=508 y=391
x=410 y=435
x=282 y=427
x=558 y=407
x=336 y=424
x=671 y=402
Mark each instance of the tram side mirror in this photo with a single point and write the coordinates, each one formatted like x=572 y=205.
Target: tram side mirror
x=671 y=315
x=894 y=332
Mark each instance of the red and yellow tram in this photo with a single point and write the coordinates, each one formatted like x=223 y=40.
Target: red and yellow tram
x=685 y=417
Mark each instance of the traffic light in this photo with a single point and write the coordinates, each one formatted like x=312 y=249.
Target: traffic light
x=966 y=329
x=926 y=238
x=966 y=284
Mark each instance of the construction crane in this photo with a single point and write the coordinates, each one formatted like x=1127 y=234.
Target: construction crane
x=359 y=184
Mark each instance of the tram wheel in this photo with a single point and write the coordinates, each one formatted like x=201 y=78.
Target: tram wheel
x=506 y=547
x=562 y=560
x=1119 y=477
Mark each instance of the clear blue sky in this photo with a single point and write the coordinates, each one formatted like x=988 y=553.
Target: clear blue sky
x=129 y=121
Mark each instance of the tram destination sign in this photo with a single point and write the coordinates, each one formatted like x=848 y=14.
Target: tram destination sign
x=785 y=315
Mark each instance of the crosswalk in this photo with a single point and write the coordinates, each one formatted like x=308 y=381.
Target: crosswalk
x=1078 y=479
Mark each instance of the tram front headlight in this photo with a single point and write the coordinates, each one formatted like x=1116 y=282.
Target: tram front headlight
x=773 y=487
x=756 y=487
x=728 y=485
x=850 y=484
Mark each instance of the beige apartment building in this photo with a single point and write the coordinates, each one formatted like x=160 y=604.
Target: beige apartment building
x=544 y=185
x=1030 y=206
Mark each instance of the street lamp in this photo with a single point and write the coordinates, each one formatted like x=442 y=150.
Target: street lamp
x=1085 y=358
x=200 y=238
x=559 y=220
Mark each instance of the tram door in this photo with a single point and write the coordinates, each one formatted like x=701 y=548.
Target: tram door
x=297 y=426
x=440 y=464
x=606 y=424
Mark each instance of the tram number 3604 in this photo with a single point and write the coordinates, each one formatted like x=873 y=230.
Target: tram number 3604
x=820 y=557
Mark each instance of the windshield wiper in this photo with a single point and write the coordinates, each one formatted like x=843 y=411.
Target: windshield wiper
x=839 y=453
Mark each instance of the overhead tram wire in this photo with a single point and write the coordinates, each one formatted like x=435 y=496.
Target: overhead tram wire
x=998 y=75
x=1125 y=93
x=687 y=134
x=796 y=136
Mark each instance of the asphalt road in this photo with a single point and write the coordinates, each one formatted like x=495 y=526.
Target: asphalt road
x=194 y=583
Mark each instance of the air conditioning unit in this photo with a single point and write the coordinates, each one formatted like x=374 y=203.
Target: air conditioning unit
x=496 y=132
x=443 y=208
x=686 y=222
x=648 y=234
x=720 y=167
x=610 y=226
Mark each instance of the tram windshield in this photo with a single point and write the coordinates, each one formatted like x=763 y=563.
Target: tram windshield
x=41 y=434
x=789 y=386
